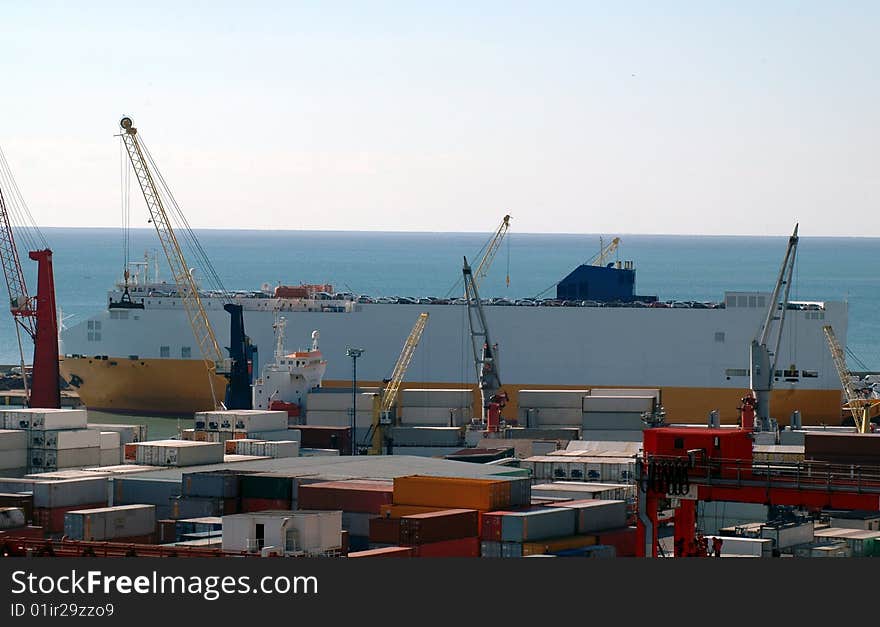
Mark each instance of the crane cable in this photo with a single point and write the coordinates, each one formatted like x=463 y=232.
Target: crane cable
x=20 y=214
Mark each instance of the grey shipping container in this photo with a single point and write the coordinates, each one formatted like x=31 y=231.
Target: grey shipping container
x=198 y=506
x=787 y=536
x=107 y=523
x=357 y=523
x=131 y=490
x=426 y=436
x=13 y=439
x=63 y=493
x=127 y=433
x=597 y=515
x=217 y=484
x=511 y=549
x=490 y=549
x=539 y=524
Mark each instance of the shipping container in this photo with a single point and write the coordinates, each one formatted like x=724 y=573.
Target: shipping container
x=350 y=496
x=64 y=439
x=623 y=540
x=213 y=483
x=134 y=490
x=338 y=418
x=435 y=416
x=61 y=493
x=427 y=436
x=562 y=399
x=24 y=502
x=241 y=420
x=357 y=523
x=490 y=526
x=255 y=504
x=385 y=530
x=33 y=419
x=597 y=514
x=110 y=457
x=553 y=545
x=538 y=524
x=55 y=459
x=13 y=459
x=489 y=548
x=397 y=511
x=51 y=519
x=511 y=549
x=438 y=526
x=611 y=421
x=785 y=536
x=109 y=523
x=320 y=437
x=110 y=440
x=550 y=416
x=420 y=397
x=634 y=403
x=188 y=526
x=13 y=439
x=12 y=518
x=326 y=401
x=200 y=506
x=581 y=490
x=479 y=494
x=842 y=448
x=178 y=453
x=269 y=486
x=461 y=547
x=388 y=551
x=287 y=434
x=127 y=433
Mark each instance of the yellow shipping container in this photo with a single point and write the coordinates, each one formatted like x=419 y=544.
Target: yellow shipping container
x=557 y=544
x=452 y=492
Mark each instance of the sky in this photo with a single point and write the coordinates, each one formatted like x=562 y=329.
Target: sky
x=735 y=118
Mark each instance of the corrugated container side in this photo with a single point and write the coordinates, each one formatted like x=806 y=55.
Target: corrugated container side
x=348 y=496
x=385 y=530
x=61 y=493
x=597 y=515
x=490 y=548
x=438 y=526
x=538 y=524
x=479 y=494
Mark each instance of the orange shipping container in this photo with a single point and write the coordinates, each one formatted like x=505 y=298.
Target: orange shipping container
x=558 y=544
x=130 y=451
x=452 y=492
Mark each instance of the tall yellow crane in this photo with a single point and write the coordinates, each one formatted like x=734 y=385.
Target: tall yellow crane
x=188 y=292
x=861 y=408
x=384 y=401
x=491 y=249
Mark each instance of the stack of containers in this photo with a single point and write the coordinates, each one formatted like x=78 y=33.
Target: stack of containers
x=210 y=493
x=325 y=437
x=446 y=533
x=137 y=490
x=127 y=433
x=53 y=499
x=111 y=448
x=122 y=523
x=225 y=425
x=618 y=409
x=13 y=452
x=331 y=409
x=436 y=408
x=56 y=438
x=268 y=491
x=359 y=500
x=264 y=448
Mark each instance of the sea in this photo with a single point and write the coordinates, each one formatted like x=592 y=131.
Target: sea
x=88 y=261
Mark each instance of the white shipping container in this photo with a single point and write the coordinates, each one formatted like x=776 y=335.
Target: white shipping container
x=436 y=416
x=64 y=439
x=417 y=397
x=178 y=453
x=13 y=439
x=241 y=420
x=787 y=536
x=110 y=457
x=627 y=404
x=13 y=459
x=56 y=459
x=281 y=434
x=627 y=392
x=45 y=418
x=583 y=490
x=338 y=418
x=542 y=417
x=127 y=433
x=110 y=440
x=338 y=401
x=559 y=399
x=749 y=547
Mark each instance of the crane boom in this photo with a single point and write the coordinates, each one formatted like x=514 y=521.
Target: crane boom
x=385 y=400
x=761 y=356
x=491 y=250
x=857 y=405
x=207 y=343
x=604 y=251
x=484 y=352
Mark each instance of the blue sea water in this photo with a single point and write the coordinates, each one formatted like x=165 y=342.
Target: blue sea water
x=89 y=261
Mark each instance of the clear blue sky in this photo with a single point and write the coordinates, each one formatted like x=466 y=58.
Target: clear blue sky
x=637 y=117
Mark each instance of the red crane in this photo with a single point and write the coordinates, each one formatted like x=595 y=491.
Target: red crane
x=36 y=316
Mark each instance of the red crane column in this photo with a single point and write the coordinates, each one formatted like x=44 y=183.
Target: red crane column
x=45 y=392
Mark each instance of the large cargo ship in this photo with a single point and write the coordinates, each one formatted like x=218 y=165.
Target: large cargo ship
x=596 y=333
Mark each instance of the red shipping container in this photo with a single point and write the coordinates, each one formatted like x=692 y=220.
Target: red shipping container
x=350 y=496
x=385 y=530
x=29 y=532
x=318 y=436
x=490 y=525
x=462 y=547
x=52 y=519
x=388 y=551
x=130 y=451
x=623 y=540
x=447 y=524
x=252 y=504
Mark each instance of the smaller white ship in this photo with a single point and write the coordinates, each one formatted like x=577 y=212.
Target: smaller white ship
x=285 y=383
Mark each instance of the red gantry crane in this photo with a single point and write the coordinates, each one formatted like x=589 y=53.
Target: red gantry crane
x=35 y=316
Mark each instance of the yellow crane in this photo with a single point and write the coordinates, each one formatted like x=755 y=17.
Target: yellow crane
x=188 y=292
x=384 y=401
x=861 y=408
x=491 y=249
x=605 y=251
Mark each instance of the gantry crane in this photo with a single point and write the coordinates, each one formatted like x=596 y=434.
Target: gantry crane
x=491 y=249
x=492 y=398
x=188 y=292
x=764 y=347
x=604 y=252
x=860 y=407
x=384 y=401
x=36 y=316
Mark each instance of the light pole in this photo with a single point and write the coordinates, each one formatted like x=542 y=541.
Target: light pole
x=354 y=353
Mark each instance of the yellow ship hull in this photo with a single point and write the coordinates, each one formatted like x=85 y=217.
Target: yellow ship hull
x=180 y=386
